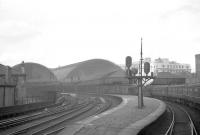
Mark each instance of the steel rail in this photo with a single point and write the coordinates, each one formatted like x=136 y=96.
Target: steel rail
x=20 y=131
x=26 y=116
x=65 y=119
x=193 y=129
x=16 y=121
x=48 y=113
x=191 y=124
x=54 y=131
x=171 y=127
x=99 y=110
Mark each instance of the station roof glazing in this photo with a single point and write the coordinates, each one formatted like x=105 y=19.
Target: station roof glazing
x=88 y=70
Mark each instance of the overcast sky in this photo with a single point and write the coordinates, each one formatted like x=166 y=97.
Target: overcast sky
x=61 y=32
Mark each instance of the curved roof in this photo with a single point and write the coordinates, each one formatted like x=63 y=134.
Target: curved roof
x=36 y=72
x=88 y=70
x=3 y=69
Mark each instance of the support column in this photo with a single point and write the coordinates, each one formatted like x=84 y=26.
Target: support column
x=140 y=95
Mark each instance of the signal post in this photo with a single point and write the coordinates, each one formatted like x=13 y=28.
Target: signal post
x=140 y=80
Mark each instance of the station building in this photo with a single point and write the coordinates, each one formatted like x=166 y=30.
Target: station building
x=8 y=82
x=166 y=72
x=89 y=70
x=161 y=65
x=26 y=83
x=164 y=65
x=91 y=76
x=39 y=83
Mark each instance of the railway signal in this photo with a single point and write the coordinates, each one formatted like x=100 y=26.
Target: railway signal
x=146 y=68
x=140 y=79
x=128 y=61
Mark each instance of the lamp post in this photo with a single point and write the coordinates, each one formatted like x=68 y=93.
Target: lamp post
x=140 y=80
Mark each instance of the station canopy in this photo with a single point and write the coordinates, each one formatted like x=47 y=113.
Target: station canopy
x=36 y=72
x=88 y=70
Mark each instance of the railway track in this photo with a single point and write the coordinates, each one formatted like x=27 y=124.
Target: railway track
x=24 y=129
x=65 y=117
x=171 y=126
x=175 y=121
x=181 y=124
x=43 y=124
x=5 y=124
x=95 y=111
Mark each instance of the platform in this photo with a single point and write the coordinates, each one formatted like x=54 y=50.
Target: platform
x=125 y=119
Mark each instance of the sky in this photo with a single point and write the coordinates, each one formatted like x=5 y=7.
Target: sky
x=61 y=32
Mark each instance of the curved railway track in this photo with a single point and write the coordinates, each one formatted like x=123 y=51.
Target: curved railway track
x=171 y=126
x=175 y=121
x=95 y=111
x=42 y=120
x=4 y=124
x=38 y=130
x=50 y=122
x=182 y=123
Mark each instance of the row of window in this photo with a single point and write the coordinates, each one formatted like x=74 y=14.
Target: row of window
x=173 y=66
x=171 y=71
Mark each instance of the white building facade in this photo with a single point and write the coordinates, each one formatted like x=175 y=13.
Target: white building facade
x=164 y=65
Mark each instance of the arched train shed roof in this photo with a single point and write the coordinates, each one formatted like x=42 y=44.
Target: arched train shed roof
x=36 y=72
x=88 y=70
